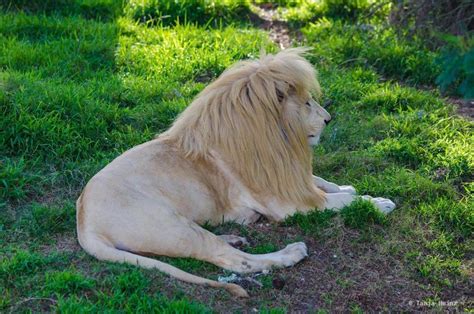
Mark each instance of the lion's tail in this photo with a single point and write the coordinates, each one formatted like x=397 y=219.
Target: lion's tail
x=103 y=251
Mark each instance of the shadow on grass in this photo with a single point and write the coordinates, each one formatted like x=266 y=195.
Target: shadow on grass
x=104 y=10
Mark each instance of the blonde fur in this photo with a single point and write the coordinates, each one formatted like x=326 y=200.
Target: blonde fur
x=245 y=117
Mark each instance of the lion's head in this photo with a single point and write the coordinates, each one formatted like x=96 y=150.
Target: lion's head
x=261 y=116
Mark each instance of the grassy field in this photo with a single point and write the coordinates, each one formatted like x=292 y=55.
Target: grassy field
x=82 y=81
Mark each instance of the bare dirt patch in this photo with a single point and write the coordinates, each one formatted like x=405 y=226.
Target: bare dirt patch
x=61 y=244
x=465 y=108
x=344 y=270
x=278 y=30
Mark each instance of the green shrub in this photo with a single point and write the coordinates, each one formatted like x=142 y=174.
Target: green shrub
x=426 y=18
x=457 y=62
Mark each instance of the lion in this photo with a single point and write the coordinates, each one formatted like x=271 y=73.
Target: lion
x=241 y=150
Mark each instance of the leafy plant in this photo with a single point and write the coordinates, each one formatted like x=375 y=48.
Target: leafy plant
x=457 y=62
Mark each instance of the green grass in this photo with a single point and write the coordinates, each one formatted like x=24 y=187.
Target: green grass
x=136 y=79
x=263 y=248
x=311 y=223
x=55 y=220
x=361 y=214
x=201 y=12
x=396 y=141
x=376 y=47
x=82 y=81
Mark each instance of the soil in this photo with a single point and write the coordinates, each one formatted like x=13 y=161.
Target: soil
x=279 y=31
x=465 y=108
x=344 y=269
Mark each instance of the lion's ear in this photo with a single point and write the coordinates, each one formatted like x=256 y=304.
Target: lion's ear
x=280 y=95
x=282 y=91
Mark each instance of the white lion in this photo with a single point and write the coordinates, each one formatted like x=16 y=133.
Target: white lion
x=240 y=151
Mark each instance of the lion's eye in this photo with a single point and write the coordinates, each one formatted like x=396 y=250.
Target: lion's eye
x=308 y=104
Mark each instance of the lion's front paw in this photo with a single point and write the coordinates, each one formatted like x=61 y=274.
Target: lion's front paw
x=293 y=253
x=383 y=204
x=347 y=189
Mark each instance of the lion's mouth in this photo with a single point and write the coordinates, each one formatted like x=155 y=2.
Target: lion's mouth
x=311 y=135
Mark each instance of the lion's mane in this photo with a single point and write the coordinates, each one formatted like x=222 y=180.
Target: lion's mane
x=244 y=116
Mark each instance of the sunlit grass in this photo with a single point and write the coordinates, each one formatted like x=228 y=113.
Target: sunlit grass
x=75 y=92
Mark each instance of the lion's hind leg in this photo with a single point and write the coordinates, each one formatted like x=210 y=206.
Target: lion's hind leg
x=171 y=234
x=104 y=251
x=234 y=240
